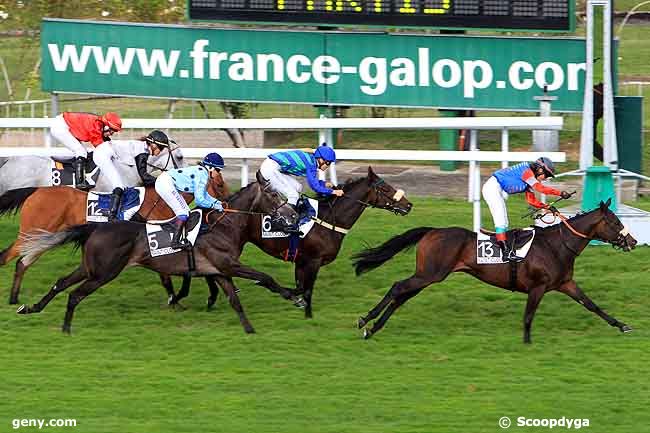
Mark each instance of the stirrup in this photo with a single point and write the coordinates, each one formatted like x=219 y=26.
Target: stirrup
x=513 y=257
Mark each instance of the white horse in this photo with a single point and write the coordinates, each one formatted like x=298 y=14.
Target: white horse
x=33 y=171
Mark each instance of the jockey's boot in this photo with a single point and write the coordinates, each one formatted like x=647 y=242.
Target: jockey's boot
x=178 y=240
x=509 y=253
x=80 y=173
x=116 y=200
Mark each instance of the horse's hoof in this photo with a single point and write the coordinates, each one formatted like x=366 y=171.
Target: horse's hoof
x=361 y=323
x=22 y=309
x=66 y=330
x=299 y=302
x=625 y=328
x=211 y=304
x=177 y=306
x=13 y=301
x=366 y=334
x=249 y=330
x=170 y=300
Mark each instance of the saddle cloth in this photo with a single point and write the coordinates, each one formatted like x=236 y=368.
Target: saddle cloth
x=63 y=171
x=160 y=233
x=305 y=225
x=489 y=252
x=98 y=205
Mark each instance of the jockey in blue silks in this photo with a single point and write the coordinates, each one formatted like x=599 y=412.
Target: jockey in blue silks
x=191 y=180
x=281 y=168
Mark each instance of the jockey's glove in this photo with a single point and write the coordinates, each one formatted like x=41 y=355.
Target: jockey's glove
x=565 y=195
x=217 y=206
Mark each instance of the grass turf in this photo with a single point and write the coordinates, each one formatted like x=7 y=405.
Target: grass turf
x=451 y=360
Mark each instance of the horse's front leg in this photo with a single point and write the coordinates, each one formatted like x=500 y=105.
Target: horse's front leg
x=535 y=296
x=237 y=269
x=306 y=274
x=571 y=289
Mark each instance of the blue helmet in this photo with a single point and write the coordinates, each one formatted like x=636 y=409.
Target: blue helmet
x=213 y=160
x=325 y=152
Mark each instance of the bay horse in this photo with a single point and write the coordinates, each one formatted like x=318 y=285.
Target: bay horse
x=336 y=216
x=107 y=249
x=53 y=208
x=547 y=267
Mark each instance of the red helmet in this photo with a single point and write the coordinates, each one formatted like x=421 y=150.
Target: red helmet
x=113 y=121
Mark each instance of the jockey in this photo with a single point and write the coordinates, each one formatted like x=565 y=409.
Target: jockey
x=279 y=168
x=138 y=151
x=73 y=128
x=191 y=180
x=523 y=177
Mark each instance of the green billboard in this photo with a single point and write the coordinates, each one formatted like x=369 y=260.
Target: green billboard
x=462 y=72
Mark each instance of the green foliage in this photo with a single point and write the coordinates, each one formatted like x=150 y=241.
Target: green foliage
x=449 y=361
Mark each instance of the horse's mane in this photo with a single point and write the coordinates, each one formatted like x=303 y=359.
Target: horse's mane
x=576 y=217
x=346 y=186
x=236 y=195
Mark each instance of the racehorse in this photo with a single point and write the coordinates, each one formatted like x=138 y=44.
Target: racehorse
x=336 y=216
x=107 y=249
x=31 y=171
x=548 y=266
x=54 y=208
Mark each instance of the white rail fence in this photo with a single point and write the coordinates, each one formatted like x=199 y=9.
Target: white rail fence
x=474 y=156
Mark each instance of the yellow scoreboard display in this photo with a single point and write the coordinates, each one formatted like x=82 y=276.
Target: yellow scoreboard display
x=550 y=15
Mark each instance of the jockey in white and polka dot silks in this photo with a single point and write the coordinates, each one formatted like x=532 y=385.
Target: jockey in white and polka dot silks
x=192 y=180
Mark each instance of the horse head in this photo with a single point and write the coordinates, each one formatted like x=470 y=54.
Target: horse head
x=383 y=196
x=169 y=158
x=610 y=229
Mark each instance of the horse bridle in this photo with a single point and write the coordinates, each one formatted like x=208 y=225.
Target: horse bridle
x=170 y=156
x=618 y=243
x=390 y=201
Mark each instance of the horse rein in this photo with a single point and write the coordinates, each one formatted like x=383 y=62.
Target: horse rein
x=169 y=157
x=619 y=239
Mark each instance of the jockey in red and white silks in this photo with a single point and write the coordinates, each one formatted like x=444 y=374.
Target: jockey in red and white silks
x=523 y=177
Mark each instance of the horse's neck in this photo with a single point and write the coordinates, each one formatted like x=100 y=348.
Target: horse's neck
x=344 y=211
x=582 y=224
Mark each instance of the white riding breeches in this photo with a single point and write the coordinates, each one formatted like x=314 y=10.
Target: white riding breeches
x=61 y=132
x=103 y=157
x=280 y=182
x=495 y=198
x=167 y=191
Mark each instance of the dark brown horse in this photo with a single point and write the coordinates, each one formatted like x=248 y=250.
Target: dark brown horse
x=336 y=216
x=107 y=249
x=53 y=208
x=548 y=266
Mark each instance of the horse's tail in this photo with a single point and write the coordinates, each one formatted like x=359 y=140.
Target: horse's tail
x=372 y=258
x=13 y=200
x=37 y=242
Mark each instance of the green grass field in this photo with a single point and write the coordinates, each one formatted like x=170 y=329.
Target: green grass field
x=451 y=360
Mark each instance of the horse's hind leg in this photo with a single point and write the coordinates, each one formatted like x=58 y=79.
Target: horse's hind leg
x=571 y=288
x=398 y=302
x=230 y=290
x=75 y=277
x=239 y=270
x=78 y=295
x=401 y=288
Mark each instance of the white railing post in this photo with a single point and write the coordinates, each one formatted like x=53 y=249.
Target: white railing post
x=244 y=172
x=505 y=145
x=476 y=184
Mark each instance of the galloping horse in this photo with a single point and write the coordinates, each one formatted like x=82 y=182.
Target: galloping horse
x=336 y=216
x=54 y=208
x=548 y=266
x=32 y=171
x=110 y=248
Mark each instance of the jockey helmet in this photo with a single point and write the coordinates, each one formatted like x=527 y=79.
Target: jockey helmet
x=158 y=138
x=112 y=120
x=213 y=160
x=545 y=164
x=325 y=152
